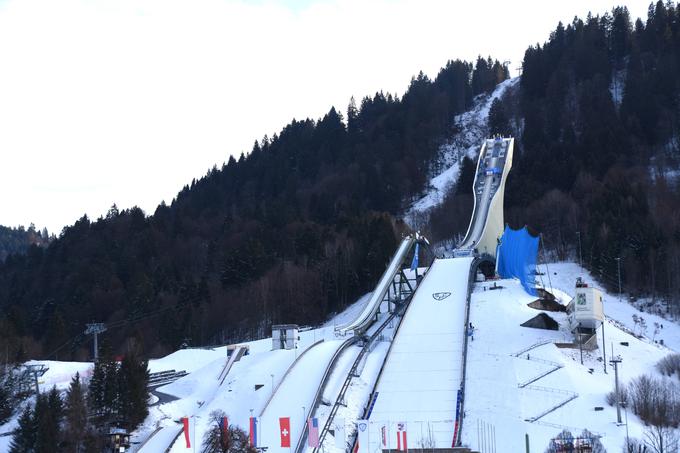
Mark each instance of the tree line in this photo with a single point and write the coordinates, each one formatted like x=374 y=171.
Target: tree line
x=292 y=231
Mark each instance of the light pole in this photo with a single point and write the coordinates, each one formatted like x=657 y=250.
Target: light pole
x=618 y=266
x=625 y=410
x=578 y=235
x=615 y=361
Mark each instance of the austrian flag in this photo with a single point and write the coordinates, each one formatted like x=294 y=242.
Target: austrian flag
x=284 y=429
x=401 y=437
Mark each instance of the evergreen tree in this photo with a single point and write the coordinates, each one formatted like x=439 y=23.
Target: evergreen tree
x=48 y=414
x=499 y=122
x=76 y=426
x=25 y=434
x=134 y=379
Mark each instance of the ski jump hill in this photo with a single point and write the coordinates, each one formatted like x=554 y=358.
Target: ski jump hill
x=422 y=382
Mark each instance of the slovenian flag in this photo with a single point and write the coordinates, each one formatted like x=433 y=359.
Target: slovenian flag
x=253 y=431
x=313 y=437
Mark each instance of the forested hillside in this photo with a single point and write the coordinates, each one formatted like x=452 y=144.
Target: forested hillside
x=294 y=230
x=598 y=124
x=18 y=240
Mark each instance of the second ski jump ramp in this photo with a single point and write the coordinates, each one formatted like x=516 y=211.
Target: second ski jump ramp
x=419 y=383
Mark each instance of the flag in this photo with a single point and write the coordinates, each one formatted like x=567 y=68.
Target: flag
x=313 y=437
x=383 y=435
x=362 y=436
x=401 y=437
x=284 y=430
x=224 y=426
x=185 y=428
x=414 y=263
x=253 y=431
x=340 y=435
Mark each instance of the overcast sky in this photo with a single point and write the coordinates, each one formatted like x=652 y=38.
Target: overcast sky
x=116 y=101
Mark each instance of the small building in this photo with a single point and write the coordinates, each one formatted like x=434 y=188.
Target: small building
x=586 y=312
x=285 y=336
x=118 y=440
x=586 y=309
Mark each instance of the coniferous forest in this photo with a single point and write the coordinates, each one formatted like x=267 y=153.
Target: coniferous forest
x=304 y=223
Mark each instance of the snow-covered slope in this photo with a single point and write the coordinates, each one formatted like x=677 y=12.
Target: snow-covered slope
x=473 y=127
x=419 y=383
x=496 y=371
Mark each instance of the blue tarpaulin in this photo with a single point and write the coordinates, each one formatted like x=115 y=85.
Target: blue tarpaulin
x=517 y=257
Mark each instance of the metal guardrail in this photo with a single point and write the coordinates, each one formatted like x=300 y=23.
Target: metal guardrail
x=300 y=446
x=471 y=283
x=365 y=318
x=533 y=346
x=353 y=371
x=290 y=368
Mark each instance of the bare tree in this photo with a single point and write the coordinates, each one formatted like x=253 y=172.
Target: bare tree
x=661 y=439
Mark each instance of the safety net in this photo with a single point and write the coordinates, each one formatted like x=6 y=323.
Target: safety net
x=517 y=257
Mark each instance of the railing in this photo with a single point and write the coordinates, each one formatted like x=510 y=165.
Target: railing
x=353 y=371
x=471 y=282
x=319 y=392
x=292 y=365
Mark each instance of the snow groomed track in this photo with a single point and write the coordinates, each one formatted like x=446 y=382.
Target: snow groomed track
x=422 y=374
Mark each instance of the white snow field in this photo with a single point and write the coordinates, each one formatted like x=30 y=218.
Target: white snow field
x=423 y=371
x=421 y=375
x=496 y=404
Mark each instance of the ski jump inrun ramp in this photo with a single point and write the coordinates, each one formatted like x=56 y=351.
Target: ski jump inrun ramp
x=424 y=374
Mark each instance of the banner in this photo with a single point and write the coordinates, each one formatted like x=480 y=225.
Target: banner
x=284 y=429
x=340 y=435
x=253 y=432
x=414 y=263
x=224 y=427
x=362 y=436
x=185 y=428
x=313 y=430
x=401 y=437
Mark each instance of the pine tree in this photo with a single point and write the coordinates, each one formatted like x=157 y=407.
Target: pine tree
x=24 y=437
x=6 y=394
x=76 y=416
x=134 y=379
x=48 y=408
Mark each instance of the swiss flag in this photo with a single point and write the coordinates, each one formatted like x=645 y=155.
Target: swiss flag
x=284 y=429
x=401 y=437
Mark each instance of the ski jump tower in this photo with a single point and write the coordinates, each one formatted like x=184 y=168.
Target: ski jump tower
x=487 y=222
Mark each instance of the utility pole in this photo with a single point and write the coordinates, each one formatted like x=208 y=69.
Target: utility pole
x=578 y=235
x=94 y=329
x=580 y=342
x=615 y=361
x=618 y=265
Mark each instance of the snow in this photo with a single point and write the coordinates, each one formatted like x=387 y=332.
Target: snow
x=422 y=374
x=473 y=127
x=427 y=350
x=493 y=397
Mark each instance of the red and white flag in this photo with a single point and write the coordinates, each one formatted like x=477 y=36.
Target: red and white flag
x=284 y=429
x=187 y=425
x=401 y=437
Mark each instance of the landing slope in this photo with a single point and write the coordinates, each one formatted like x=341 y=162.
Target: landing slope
x=422 y=374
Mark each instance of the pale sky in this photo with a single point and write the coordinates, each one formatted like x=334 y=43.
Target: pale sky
x=125 y=101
